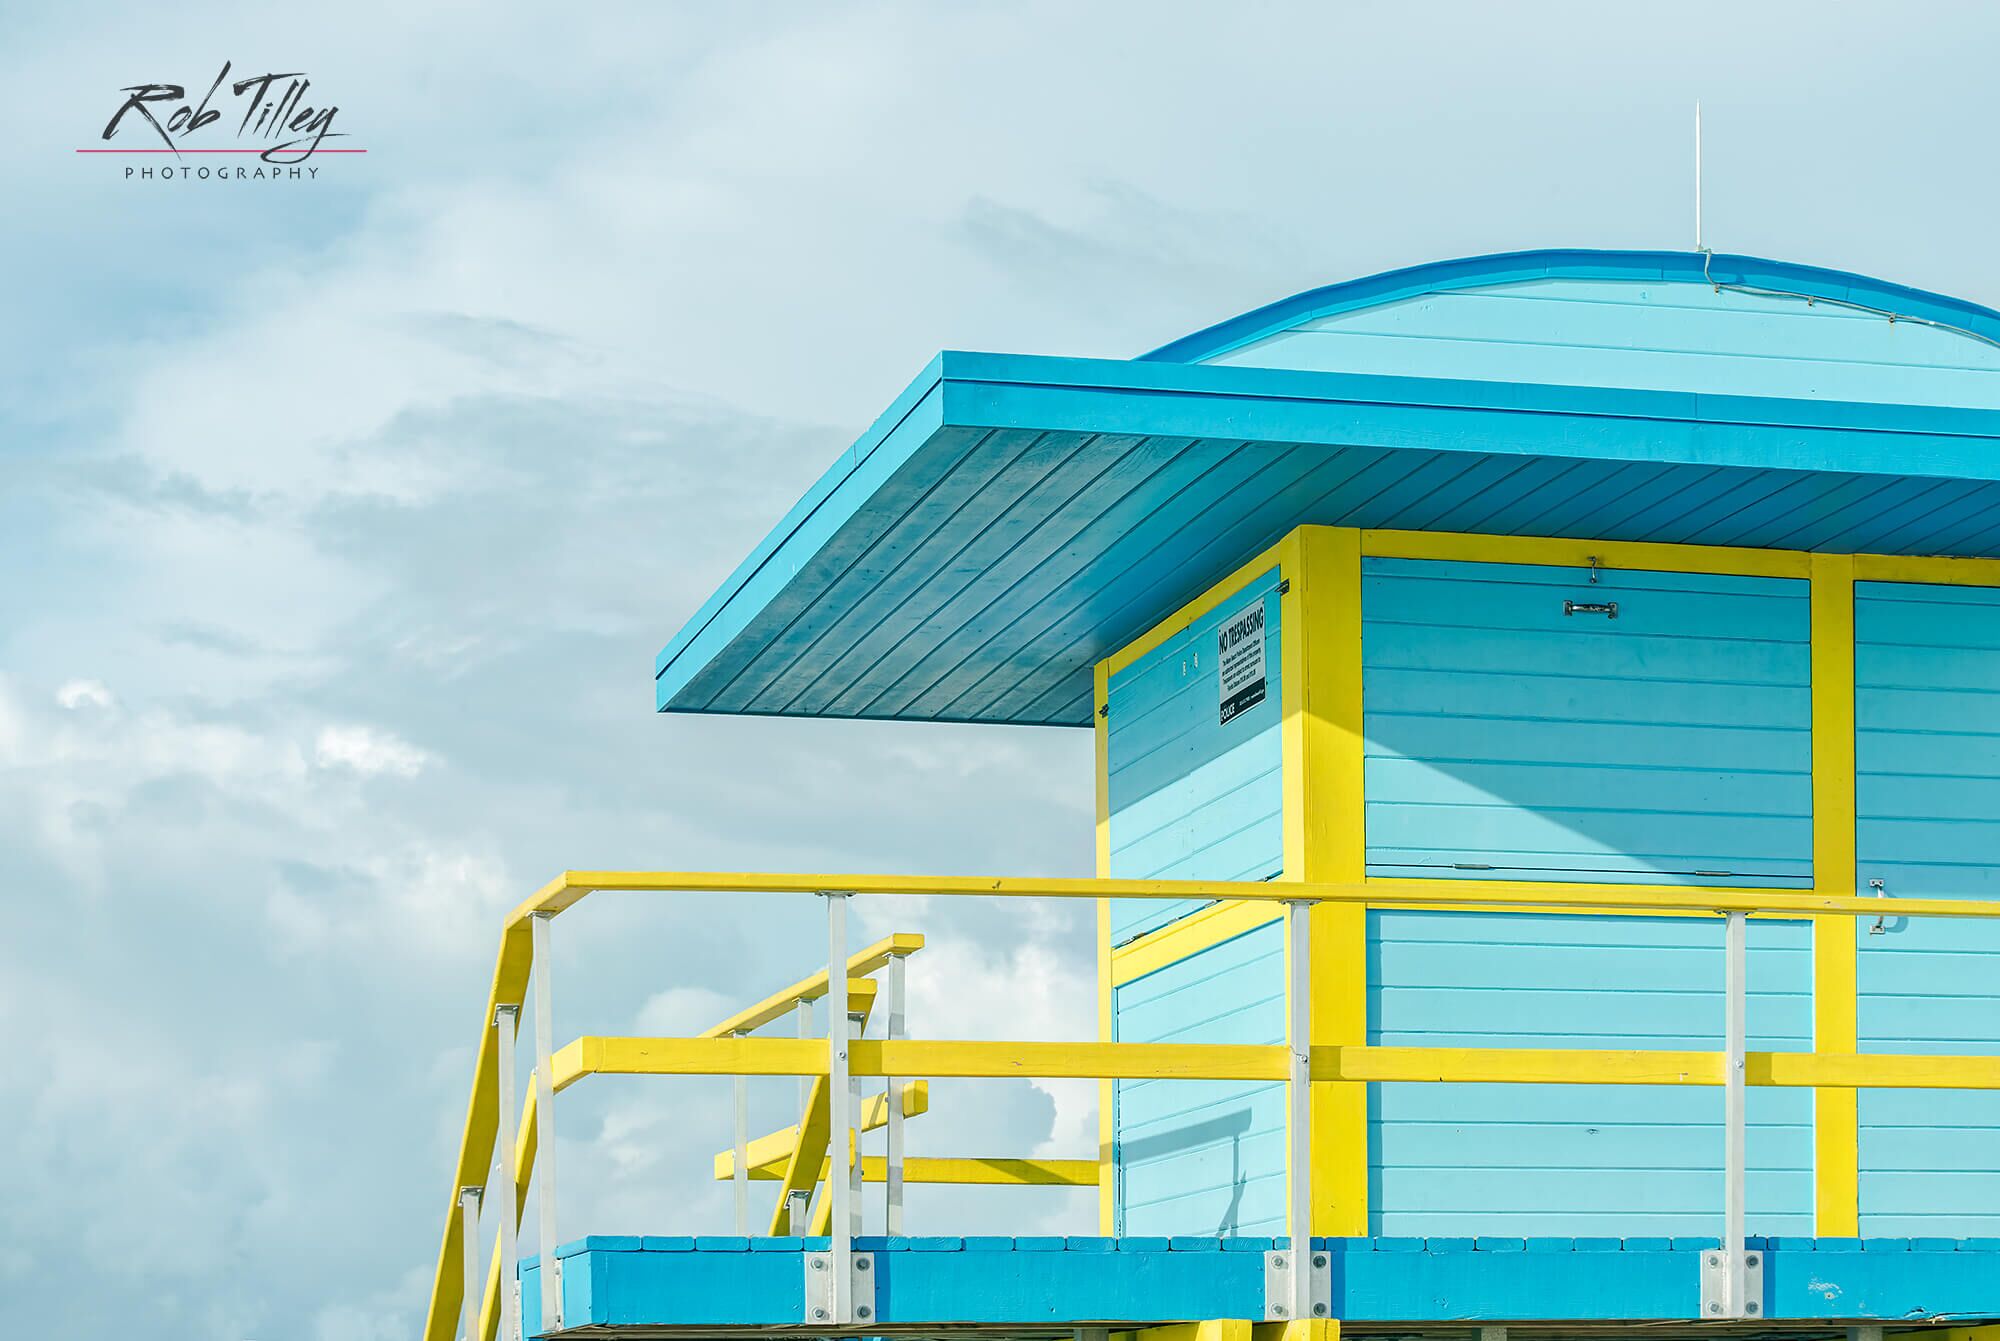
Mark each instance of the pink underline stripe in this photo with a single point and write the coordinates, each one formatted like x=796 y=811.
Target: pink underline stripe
x=214 y=151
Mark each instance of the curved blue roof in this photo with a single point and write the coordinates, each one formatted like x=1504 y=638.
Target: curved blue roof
x=1012 y=519
x=1468 y=272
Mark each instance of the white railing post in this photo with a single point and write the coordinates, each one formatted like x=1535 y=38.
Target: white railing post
x=894 y=1150
x=505 y=1021
x=840 y=1101
x=1298 y=1102
x=741 y=1178
x=545 y=1122
x=1735 y=1040
x=468 y=1216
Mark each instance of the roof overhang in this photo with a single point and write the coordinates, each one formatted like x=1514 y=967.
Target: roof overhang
x=1013 y=519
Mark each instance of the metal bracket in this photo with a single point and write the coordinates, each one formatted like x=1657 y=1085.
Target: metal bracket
x=1278 y=1267
x=1715 y=1284
x=819 y=1289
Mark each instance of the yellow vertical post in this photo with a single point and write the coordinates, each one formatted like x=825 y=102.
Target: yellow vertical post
x=1323 y=800
x=1836 y=1116
x=1107 y=1190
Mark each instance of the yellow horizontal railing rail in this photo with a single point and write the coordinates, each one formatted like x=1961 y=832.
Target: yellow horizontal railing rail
x=717 y=1055
x=967 y=1059
x=972 y=1171
x=572 y=887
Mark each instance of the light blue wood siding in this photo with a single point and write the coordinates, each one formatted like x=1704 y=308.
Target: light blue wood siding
x=1509 y=740
x=1578 y=1159
x=1927 y=717
x=1204 y=1156
x=1644 y=334
x=1192 y=797
x=1506 y=739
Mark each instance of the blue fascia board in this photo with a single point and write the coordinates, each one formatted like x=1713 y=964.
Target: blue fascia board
x=981 y=391
x=1754 y=272
x=628 y=1282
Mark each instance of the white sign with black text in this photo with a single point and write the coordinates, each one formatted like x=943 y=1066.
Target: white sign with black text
x=1240 y=661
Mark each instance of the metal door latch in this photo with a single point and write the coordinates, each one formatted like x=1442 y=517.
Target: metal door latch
x=1609 y=609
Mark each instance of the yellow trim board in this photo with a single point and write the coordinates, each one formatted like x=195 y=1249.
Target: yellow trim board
x=1180 y=619
x=1562 y=553
x=1836 y=1009
x=1200 y=930
x=1941 y=570
x=1326 y=794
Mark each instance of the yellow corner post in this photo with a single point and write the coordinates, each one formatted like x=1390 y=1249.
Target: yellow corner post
x=1836 y=1112
x=1324 y=832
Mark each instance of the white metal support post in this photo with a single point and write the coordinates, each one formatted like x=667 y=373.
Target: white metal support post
x=545 y=1122
x=1735 y=1035
x=506 y=1019
x=840 y=1108
x=894 y=1095
x=741 y=1177
x=468 y=1215
x=1298 y=1102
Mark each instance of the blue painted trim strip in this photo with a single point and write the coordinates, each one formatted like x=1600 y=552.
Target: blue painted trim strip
x=633 y=1282
x=1514 y=267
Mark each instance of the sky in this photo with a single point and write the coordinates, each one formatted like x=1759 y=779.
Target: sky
x=340 y=520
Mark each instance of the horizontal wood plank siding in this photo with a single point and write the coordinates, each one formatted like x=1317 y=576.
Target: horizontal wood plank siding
x=1507 y=739
x=1204 y=1157
x=1192 y=797
x=1578 y=1159
x=1927 y=744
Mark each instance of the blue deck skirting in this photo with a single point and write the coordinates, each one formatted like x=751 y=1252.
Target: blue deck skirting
x=652 y=1281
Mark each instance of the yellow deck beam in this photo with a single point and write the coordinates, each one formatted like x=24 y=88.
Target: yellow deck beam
x=1214 y=1329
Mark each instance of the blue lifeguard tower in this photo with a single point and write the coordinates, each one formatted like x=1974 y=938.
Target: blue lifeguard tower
x=1548 y=771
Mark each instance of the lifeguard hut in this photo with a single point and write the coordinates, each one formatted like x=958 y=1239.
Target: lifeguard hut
x=1548 y=771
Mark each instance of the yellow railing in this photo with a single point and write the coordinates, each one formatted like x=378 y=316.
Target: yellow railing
x=722 y=1051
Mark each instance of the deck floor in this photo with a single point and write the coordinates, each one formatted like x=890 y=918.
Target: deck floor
x=635 y=1287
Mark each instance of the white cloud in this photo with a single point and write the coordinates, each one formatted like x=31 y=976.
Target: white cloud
x=681 y=1012
x=368 y=751
x=1026 y=991
x=84 y=694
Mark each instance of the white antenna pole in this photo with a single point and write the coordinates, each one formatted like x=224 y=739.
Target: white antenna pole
x=1697 y=178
